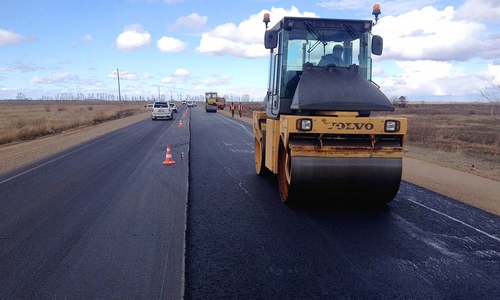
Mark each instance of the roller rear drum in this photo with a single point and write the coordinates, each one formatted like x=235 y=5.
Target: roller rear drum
x=366 y=180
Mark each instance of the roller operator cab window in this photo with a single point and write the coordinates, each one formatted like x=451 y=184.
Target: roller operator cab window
x=314 y=42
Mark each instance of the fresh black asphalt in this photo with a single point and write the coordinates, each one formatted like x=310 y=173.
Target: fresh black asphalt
x=243 y=243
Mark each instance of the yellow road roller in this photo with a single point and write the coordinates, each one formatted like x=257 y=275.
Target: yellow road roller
x=317 y=133
x=211 y=102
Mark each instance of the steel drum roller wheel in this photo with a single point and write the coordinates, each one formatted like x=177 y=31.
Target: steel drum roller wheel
x=284 y=175
x=348 y=179
x=260 y=157
x=260 y=167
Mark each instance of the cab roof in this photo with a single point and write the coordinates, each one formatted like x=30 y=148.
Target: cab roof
x=289 y=23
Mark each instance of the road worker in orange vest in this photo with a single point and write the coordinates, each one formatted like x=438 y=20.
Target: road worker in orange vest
x=232 y=109
x=240 y=109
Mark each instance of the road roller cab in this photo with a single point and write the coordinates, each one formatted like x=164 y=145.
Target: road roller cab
x=317 y=133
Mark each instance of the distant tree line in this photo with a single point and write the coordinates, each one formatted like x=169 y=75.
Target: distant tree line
x=125 y=97
x=94 y=96
x=234 y=98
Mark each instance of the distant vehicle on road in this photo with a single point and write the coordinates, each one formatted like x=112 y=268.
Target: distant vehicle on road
x=149 y=105
x=210 y=102
x=191 y=103
x=161 y=110
x=173 y=106
x=221 y=102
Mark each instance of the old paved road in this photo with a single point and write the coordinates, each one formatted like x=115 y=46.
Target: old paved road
x=106 y=220
x=102 y=220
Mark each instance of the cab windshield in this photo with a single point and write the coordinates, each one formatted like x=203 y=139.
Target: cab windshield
x=307 y=42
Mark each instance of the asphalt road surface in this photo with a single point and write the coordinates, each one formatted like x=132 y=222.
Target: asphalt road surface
x=103 y=220
x=243 y=243
x=108 y=220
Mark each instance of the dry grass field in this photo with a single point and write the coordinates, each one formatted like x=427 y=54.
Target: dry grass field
x=464 y=136
x=455 y=128
x=27 y=120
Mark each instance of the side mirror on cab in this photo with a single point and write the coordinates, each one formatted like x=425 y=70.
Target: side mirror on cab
x=377 y=45
x=271 y=39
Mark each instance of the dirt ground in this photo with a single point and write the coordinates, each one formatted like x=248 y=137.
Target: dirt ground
x=467 y=187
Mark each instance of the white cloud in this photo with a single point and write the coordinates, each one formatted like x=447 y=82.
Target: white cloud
x=56 y=78
x=430 y=34
x=36 y=79
x=493 y=74
x=181 y=72
x=178 y=76
x=171 y=79
x=193 y=21
x=9 y=37
x=441 y=53
x=426 y=30
x=342 y=4
x=364 y=7
x=170 y=44
x=87 y=38
x=217 y=80
x=132 y=38
x=429 y=78
x=23 y=67
x=246 y=39
x=126 y=75
x=419 y=72
x=479 y=10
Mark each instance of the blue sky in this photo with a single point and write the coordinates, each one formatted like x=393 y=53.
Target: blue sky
x=434 y=50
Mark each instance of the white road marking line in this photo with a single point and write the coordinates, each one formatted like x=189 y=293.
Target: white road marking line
x=457 y=220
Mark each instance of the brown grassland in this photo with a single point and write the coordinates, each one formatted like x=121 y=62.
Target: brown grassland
x=455 y=135
x=26 y=120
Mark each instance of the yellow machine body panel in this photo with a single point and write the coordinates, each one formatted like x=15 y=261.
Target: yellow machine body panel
x=282 y=129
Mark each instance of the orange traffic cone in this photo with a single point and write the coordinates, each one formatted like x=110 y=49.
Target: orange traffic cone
x=180 y=123
x=168 y=157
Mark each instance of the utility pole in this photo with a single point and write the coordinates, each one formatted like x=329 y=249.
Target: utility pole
x=159 y=93
x=119 y=92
